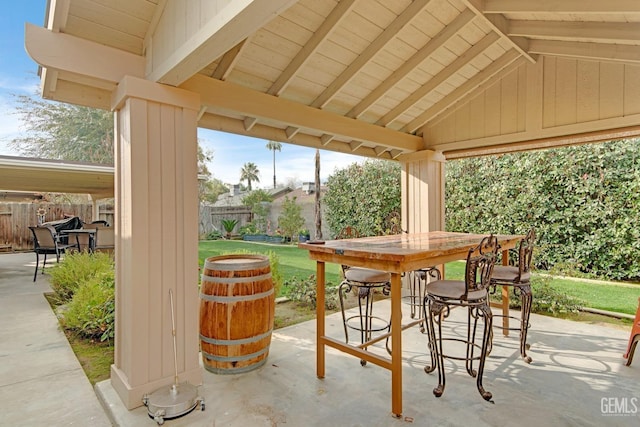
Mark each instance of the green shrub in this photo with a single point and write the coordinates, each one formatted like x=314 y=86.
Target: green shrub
x=78 y=268
x=546 y=299
x=214 y=235
x=305 y=291
x=91 y=311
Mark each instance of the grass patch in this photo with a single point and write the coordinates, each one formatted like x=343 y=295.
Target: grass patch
x=95 y=357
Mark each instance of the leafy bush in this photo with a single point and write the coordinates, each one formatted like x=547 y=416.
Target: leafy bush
x=305 y=291
x=250 y=228
x=91 y=311
x=76 y=269
x=584 y=202
x=546 y=300
x=362 y=196
x=214 y=235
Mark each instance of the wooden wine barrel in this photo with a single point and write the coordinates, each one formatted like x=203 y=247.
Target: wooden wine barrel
x=237 y=305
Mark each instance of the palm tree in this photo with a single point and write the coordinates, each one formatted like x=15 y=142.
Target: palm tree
x=318 y=234
x=274 y=145
x=249 y=172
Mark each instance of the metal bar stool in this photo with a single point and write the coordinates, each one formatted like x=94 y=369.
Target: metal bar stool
x=519 y=278
x=472 y=293
x=364 y=282
x=418 y=280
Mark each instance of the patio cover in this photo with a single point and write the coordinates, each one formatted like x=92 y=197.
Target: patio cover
x=377 y=78
x=417 y=81
x=27 y=174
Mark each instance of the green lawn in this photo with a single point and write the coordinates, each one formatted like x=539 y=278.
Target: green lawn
x=296 y=262
x=619 y=298
x=293 y=261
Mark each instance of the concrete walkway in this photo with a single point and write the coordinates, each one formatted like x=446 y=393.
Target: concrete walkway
x=41 y=381
x=577 y=377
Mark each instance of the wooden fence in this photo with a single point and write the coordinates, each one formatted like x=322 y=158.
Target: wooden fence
x=16 y=218
x=211 y=218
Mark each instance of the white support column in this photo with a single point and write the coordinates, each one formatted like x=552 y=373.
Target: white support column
x=95 y=213
x=423 y=192
x=156 y=235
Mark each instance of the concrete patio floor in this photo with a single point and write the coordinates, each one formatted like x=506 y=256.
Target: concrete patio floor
x=577 y=377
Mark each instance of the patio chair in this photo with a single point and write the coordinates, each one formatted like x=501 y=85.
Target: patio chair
x=105 y=239
x=634 y=337
x=46 y=241
x=472 y=293
x=519 y=278
x=363 y=282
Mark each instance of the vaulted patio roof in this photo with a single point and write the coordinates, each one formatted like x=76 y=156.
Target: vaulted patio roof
x=376 y=78
x=417 y=81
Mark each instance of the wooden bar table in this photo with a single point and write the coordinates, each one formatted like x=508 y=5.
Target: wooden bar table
x=396 y=254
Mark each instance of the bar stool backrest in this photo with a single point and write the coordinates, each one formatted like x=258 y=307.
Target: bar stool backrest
x=479 y=267
x=525 y=253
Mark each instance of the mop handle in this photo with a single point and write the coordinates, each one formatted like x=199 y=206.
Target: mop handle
x=173 y=332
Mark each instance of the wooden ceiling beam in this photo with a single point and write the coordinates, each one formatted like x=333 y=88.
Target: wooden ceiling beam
x=63 y=52
x=249 y=122
x=370 y=52
x=603 y=32
x=597 y=51
x=326 y=138
x=336 y=16
x=561 y=6
x=407 y=67
x=439 y=78
x=227 y=124
x=236 y=21
x=58 y=14
x=500 y=25
x=228 y=60
x=227 y=96
x=461 y=91
x=157 y=14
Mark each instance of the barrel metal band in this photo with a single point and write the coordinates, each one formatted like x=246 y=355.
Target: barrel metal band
x=233 y=280
x=236 y=266
x=238 y=341
x=223 y=298
x=215 y=358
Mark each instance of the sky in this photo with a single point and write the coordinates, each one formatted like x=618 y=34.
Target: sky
x=18 y=76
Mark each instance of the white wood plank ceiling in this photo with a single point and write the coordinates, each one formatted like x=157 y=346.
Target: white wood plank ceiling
x=357 y=76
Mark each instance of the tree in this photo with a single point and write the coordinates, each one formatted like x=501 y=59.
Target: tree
x=64 y=131
x=318 y=212
x=249 y=173
x=363 y=196
x=257 y=200
x=211 y=189
x=74 y=133
x=273 y=146
x=290 y=220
